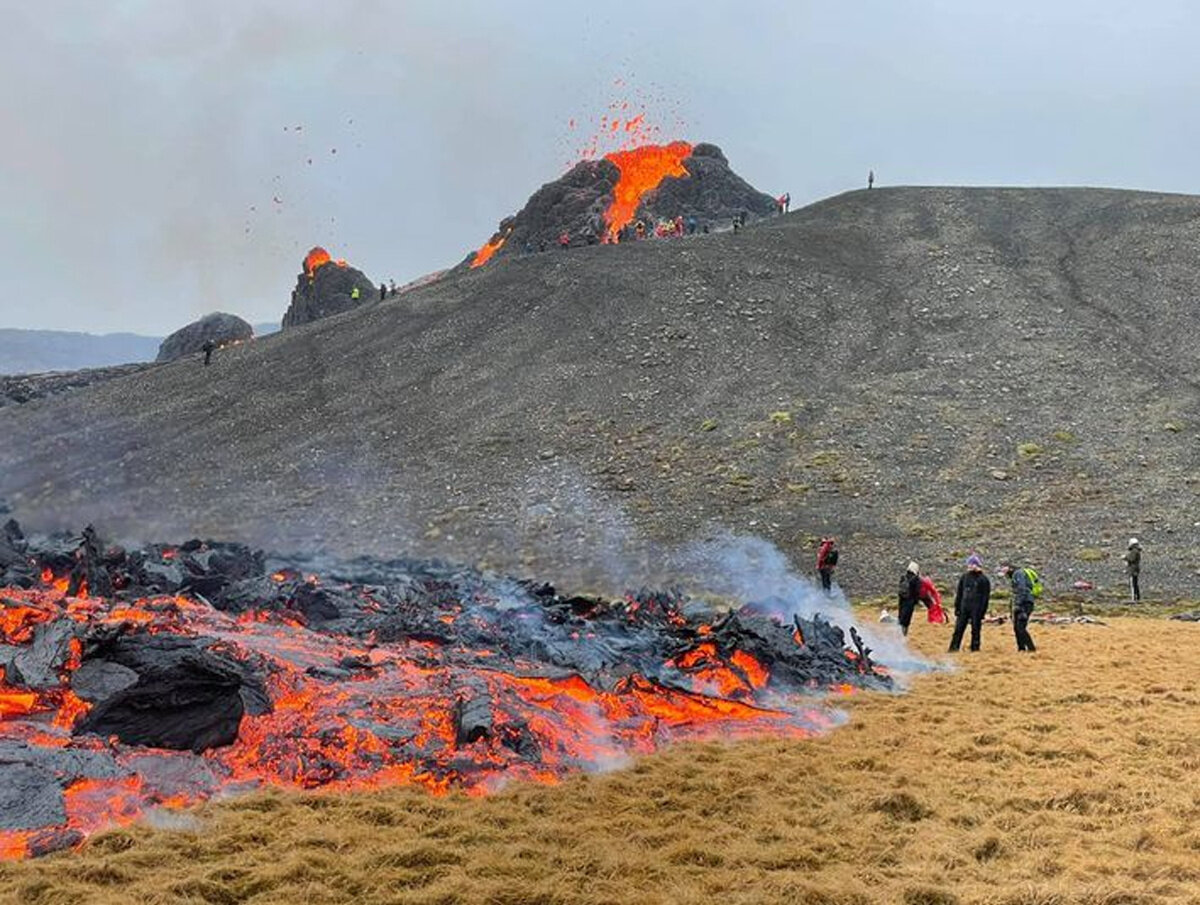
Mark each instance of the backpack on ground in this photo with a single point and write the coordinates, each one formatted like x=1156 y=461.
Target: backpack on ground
x=1035 y=583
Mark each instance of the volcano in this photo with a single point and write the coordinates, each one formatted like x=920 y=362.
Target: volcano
x=596 y=200
x=325 y=287
x=131 y=679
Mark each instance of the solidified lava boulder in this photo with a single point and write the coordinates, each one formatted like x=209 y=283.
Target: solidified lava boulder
x=185 y=697
x=221 y=328
x=576 y=203
x=326 y=287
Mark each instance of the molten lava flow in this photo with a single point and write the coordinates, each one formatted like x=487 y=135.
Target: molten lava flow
x=314 y=259
x=642 y=169
x=485 y=254
x=442 y=679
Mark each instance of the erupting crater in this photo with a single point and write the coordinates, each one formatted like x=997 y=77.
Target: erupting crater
x=642 y=171
x=598 y=200
x=160 y=676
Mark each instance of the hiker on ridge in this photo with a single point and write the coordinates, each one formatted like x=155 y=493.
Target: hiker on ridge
x=909 y=595
x=207 y=349
x=1133 y=568
x=970 y=603
x=827 y=557
x=1023 y=596
x=870 y=178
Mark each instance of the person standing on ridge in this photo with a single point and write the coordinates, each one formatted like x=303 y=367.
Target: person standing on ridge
x=870 y=178
x=787 y=201
x=1133 y=568
x=970 y=603
x=909 y=595
x=827 y=558
x=207 y=349
x=382 y=291
x=354 y=294
x=1022 y=603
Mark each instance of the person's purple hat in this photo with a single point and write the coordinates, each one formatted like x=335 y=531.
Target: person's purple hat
x=974 y=562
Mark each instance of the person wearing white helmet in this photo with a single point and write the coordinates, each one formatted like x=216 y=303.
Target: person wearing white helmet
x=1133 y=568
x=909 y=595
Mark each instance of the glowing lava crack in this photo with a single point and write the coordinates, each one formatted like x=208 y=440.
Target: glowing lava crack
x=202 y=670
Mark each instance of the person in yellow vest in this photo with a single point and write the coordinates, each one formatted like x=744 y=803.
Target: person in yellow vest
x=354 y=293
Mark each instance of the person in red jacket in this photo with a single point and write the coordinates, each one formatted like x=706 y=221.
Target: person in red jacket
x=827 y=557
x=932 y=599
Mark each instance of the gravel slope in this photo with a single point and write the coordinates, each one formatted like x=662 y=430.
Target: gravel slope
x=919 y=370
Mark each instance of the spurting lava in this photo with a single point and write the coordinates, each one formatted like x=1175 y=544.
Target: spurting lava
x=318 y=258
x=642 y=171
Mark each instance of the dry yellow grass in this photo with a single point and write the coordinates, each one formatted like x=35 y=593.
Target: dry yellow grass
x=1069 y=776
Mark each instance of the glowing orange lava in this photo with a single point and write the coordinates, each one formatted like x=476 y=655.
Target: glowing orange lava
x=314 y=259
x=485 y=254
x=642 y=170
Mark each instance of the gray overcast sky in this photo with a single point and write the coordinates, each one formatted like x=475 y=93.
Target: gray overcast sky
x=145 y=142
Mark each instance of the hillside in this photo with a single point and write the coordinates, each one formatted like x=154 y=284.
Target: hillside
x=918 y=370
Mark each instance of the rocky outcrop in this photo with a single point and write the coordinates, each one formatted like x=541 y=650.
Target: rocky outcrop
x=711 y=192
x=327 y=289
x=221 y=328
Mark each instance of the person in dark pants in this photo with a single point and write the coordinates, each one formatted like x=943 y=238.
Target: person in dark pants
x=1022 y=605
x=909 y=595
x=207 y=349
x=970 y=603
x=1133 y=568
x=870 y=179
x=827 y=558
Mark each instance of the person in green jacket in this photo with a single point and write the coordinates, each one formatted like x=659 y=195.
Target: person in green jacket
x=1022 y=604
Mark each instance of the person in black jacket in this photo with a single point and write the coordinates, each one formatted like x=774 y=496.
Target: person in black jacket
x=909 y=595
x=970 y=603
x=1022 y=605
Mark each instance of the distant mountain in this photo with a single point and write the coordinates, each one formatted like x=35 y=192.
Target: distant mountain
x=36 y=351
x=33 y=351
